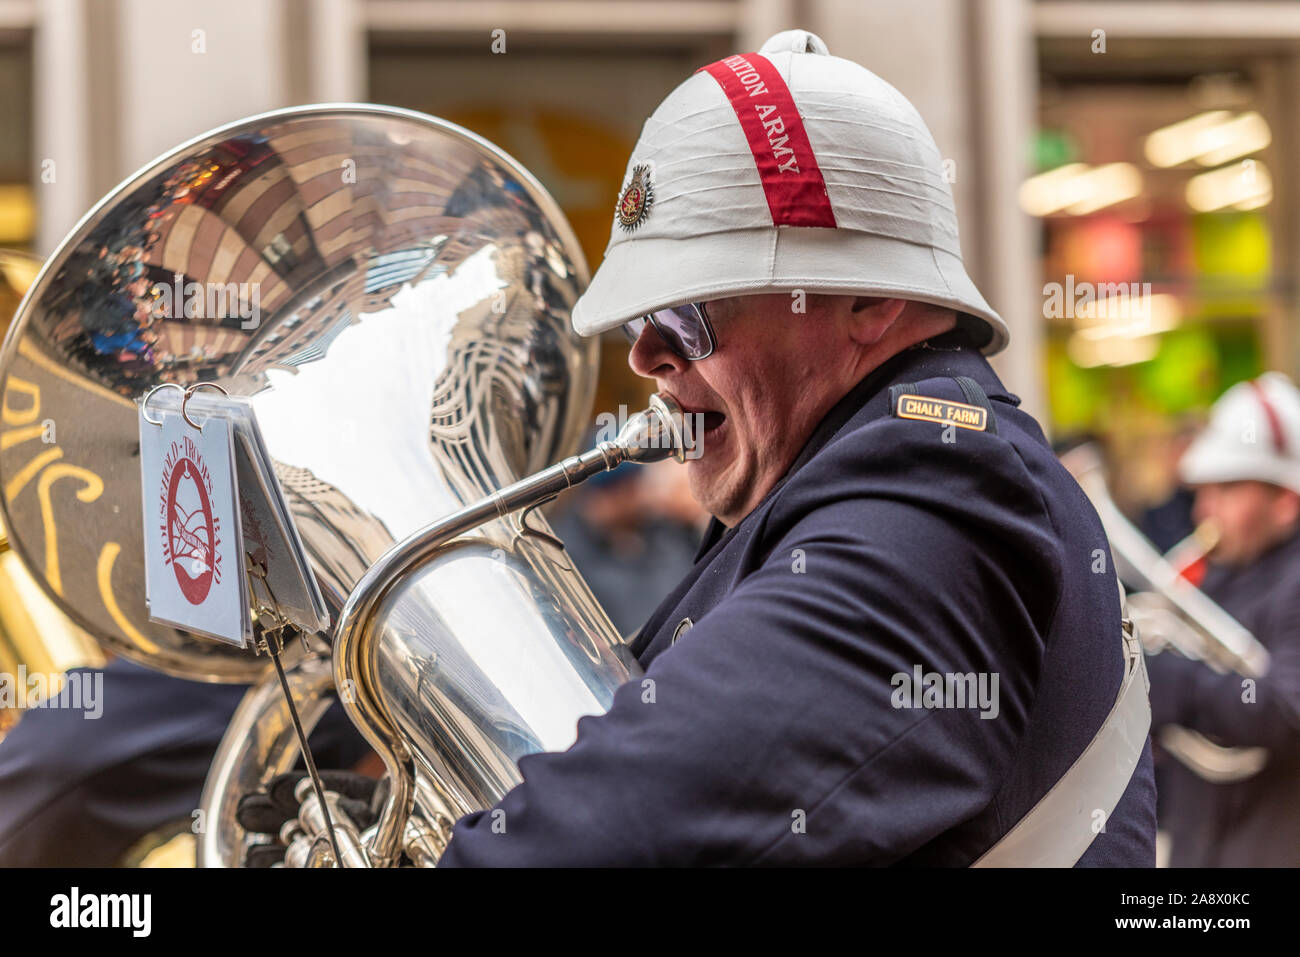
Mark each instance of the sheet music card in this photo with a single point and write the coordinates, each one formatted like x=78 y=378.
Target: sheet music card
x=261 y=526
x=194 y=574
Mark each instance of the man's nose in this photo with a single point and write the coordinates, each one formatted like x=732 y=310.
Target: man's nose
x=650 y=356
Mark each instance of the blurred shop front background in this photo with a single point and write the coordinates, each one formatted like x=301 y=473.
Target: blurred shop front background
x=1123 y=170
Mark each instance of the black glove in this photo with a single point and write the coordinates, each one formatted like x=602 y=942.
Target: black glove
x=265 y=812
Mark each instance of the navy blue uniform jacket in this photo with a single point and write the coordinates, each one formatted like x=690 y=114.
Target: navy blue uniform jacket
x=767 y=734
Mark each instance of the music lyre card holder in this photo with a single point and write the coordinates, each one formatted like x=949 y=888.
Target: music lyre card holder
x=216 y=521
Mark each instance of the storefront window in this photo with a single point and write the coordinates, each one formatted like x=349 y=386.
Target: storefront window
x=1156 y=168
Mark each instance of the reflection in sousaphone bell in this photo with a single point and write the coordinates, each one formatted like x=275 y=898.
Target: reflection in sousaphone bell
x=397 y=361
x=35 y=638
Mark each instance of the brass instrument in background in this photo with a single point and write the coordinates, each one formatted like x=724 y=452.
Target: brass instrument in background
x=1171 y=612
x=411 y=355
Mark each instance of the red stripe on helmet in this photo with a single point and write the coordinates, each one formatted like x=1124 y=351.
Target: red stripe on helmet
x=1274 y=421
x=796 y=192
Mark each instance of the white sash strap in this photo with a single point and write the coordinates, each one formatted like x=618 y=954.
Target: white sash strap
x=1061 y=826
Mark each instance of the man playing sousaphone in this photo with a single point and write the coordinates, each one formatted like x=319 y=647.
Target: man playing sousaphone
x=1245 y=468
x=894 y=642
x=900 y=642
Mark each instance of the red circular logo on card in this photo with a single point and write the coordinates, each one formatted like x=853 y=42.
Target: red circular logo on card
x=190 y=531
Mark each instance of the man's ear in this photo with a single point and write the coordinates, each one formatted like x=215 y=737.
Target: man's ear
x=872 y=316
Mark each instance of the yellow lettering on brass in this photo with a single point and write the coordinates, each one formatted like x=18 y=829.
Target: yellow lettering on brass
x=12 y=416
x=16 y=436
x=104 y=572
x=91 y=490
x=28 y=472
x=42 y=466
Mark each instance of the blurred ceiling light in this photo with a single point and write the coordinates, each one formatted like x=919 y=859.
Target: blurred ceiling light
x=1177 y=143
x=1255 y=202
x=1112 y=350
x=1209 y=138
x=1245 y=134
x=1127 y=317
x=1078 y=188
x=1245 y=185
x=1106 y=186
x=1043 y=194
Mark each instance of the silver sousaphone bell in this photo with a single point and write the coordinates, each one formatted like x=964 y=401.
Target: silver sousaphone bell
x=393 y=294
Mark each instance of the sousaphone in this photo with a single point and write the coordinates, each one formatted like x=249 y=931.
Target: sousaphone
x=393 y=293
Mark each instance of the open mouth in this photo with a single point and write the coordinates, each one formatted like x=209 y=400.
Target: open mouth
x=699 y=422
x=704 y=427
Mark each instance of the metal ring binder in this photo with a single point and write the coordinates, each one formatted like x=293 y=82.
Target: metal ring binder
x=144 y=404
x=189 y=392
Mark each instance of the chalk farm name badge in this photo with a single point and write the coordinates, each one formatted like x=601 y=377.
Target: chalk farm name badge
x=193 y=562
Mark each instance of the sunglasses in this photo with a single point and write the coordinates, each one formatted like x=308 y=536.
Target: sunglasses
x=684 y=329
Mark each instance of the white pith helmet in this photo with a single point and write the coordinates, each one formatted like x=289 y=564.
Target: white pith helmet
x=1254 y=433
x=783 y=170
